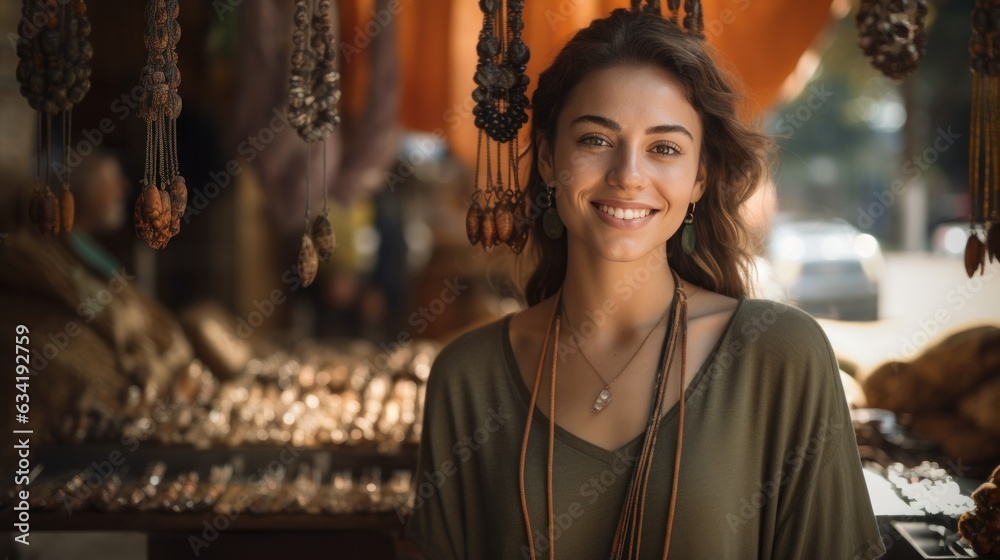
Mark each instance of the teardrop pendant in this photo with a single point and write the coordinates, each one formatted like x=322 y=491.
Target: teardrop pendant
x=687 y=239
x=602 y=401
x=552 y=224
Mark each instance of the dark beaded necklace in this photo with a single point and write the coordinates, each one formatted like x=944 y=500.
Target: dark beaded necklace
x=497 y=214
x=54 y=53
x=313 y=94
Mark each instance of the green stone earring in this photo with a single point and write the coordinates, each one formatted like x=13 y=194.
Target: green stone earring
x=687 y=232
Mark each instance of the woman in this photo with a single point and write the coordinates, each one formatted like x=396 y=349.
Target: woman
x=635 y=131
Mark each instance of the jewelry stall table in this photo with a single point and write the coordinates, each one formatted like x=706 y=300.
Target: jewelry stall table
x=248 y=503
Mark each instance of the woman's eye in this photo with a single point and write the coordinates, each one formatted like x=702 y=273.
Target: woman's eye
x=666 y=150
x=594 y=141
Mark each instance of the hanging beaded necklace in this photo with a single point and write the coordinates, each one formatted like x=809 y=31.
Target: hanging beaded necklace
x=497 y=214
x=313 y=94
x=163 y=199
x=54 y=53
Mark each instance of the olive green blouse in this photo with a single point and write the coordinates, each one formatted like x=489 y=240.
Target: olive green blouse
x=770 y=468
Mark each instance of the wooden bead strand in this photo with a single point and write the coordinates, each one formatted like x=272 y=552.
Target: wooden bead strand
x=163 y=200
x=54 y=54
x=313 y=95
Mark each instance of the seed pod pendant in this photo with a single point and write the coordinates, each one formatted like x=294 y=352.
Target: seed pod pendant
x=974 y=254
x=993 y=241
x=67 y=209
x=323 y=237
x=474 y=221
x=308 y=261
x=489 y=230
x=178 y=196
x=51 y=220
x=504 y=221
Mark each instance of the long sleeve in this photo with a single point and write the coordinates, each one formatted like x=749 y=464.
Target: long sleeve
x=828 y=512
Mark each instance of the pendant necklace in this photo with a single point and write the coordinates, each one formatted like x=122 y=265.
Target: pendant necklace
x=604 y=397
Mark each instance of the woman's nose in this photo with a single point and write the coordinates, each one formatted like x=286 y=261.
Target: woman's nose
x=626 y=169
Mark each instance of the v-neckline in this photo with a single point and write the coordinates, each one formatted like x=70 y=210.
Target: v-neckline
x=568 y=437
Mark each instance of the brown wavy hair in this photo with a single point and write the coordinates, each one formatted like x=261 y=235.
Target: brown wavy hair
x=735 y=154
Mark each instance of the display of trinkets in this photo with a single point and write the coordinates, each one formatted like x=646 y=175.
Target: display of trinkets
x=497 y=214
x=984 y=140
x=891 y=34
x=313 y=94
x=350 y=395
x=928 y=488
x=229 y=489
x=163 y=200
x=54 y=72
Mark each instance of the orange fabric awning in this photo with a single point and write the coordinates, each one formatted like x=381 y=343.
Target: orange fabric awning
x=761 y=40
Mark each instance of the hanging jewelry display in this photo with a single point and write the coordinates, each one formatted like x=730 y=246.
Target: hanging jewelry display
x=313 y=93
x=54 y=72
x=984 y=140
x=891 y=34
x=497 y=214
x=161 y=205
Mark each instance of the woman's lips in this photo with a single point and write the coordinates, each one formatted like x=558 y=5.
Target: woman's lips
x=622 y=223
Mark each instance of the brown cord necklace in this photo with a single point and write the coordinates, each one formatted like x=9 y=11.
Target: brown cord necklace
x=628 y=533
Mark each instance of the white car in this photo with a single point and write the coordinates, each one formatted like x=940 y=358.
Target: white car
x=826 y=266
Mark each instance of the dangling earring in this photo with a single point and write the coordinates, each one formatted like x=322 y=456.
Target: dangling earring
x=551 y=222
x=687 y=232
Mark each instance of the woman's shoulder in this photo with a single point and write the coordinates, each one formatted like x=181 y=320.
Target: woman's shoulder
x=787 y=351
x=475 y=349
x=777 y=327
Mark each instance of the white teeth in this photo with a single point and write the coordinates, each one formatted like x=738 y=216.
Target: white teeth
x=625 y=214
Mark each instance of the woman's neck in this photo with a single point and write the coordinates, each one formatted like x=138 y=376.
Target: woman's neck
x=616 y=300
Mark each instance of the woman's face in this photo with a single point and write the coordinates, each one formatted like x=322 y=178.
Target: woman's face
x=626 y=161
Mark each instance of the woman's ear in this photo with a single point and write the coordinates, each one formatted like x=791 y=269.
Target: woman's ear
x=700 y=182
x=544 y=163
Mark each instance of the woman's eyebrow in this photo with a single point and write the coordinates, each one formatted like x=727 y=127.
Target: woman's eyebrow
x=610 y=124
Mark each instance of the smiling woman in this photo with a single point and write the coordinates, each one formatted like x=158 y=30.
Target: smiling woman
x=636 y=139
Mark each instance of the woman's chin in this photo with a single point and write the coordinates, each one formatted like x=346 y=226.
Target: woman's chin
x=625 y=250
